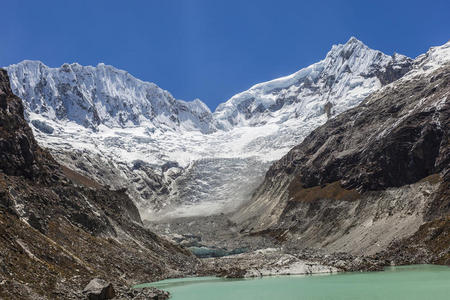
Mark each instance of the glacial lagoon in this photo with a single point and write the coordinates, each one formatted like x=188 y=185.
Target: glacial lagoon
x=406 y=282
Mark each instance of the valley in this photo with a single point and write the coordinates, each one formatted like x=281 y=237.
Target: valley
x=341 y=166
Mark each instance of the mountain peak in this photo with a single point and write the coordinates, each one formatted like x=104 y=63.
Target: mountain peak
x=354 y=40
x=353 y=45
x=346 y=70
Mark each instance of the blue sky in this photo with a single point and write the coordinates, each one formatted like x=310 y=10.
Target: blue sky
x=212 y=49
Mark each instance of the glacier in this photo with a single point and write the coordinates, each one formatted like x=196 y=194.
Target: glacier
x=177 y=158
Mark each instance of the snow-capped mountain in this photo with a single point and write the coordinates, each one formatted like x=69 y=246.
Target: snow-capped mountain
x=348 y=73
x=90 y=96
x=178 y=158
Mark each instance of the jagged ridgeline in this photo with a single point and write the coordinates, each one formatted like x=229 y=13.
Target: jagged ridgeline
x=59 y=229
x=177 y=158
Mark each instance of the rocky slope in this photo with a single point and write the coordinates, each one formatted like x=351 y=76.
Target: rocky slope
x=371 y=181
x=177 y=158
x=59 y=229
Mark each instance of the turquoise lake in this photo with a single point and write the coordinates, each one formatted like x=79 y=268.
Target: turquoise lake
x=407 y=282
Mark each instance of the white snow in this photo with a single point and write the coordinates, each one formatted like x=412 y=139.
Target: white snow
x=430 y=61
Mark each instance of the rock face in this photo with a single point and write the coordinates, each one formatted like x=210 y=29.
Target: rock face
x=369 y=177
x=59 y=229
x=17 y=145
x=177 y=158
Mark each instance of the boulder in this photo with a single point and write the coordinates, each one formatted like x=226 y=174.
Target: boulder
x=98 y=289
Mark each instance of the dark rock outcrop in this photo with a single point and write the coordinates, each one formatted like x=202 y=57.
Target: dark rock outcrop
x=19 y=153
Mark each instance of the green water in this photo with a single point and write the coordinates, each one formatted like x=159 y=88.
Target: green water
x=410 y=282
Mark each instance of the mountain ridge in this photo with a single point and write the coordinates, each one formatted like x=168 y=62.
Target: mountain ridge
x=338 y=49
x=353 y=57
x=91 y=96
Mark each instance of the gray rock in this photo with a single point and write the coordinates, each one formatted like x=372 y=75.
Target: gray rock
x=98 y=289
x=43 y=126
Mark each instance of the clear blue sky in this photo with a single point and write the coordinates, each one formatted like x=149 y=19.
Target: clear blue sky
x=212 y=49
